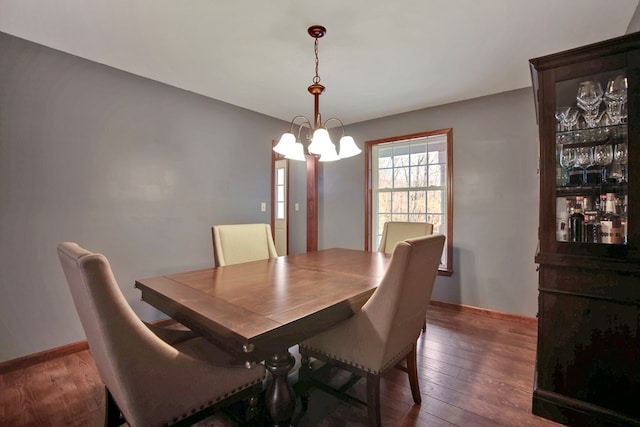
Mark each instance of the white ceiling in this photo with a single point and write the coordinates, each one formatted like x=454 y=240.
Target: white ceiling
x=378 y=57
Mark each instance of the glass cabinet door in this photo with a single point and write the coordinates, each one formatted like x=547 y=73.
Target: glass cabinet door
x=591 y=150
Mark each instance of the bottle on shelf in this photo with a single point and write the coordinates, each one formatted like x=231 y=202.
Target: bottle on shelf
x=562 y=219
x=592 y=218
x=576 y=222
x=621 y=207
x=611 y=224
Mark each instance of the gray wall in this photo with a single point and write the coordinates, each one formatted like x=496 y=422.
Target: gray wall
x=495 y=188
x=123 y=165
x=139 y=171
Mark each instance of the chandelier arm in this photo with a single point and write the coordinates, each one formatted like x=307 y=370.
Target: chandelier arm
x=305 y=120
x=324 y=125
x=306 y=124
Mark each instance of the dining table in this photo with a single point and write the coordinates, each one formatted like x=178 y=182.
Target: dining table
x=258 y=310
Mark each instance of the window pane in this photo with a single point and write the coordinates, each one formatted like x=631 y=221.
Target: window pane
x=437 y=152
x=399 y=202
x=434 y=157
x=419 y=176
x=435 y=201
x=385 y=178
x=399 y=217
x=381 y=220
x=384 y=203
x=436 y=220
x=280 y=195
x=419 y=154
x=385 y=157
x=417 y=202
x=280 y=176
x=400 y=157
x=418 y=218
x=280 y=210
x=437 y=175
x=401 y=177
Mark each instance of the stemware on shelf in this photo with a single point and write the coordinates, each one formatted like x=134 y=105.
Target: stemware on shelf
x=615 y=97
x=603 y=156
x=589 y=98
x=568 y=162
x=620 y=155
x=570 y=118
x=584 y=159
x=561 y=113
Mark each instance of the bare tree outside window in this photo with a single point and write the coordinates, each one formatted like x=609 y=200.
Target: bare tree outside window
x=409 y=179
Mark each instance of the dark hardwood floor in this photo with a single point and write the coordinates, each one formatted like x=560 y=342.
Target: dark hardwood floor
x=474 y=371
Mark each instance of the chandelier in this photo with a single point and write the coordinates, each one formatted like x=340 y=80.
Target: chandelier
x=317 y=135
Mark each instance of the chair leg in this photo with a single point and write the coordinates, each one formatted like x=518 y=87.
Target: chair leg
x=373 y=400
x=303 y=377
x=112 y=416
x=412 y=370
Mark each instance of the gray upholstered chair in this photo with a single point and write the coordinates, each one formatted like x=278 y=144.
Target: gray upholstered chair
x=149 y=381
x=397 y=231
x=238 y=243
x=386 y=328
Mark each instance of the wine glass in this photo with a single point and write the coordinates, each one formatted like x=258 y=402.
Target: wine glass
x=584 y=159
x=561 y=113
x=620 y=155
x=589 y=97
x=570 y=118
x=568 y=161
x=590 y=93
x=603 y=156
x=615 y=97
x=617 y=88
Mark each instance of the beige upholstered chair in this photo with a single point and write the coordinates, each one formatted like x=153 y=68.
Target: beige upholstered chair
x=238 y=243
x=396 y=231
x=148 y=381
x=385 y=330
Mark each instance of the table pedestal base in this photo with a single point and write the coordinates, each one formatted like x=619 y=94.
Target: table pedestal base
x=280 y=399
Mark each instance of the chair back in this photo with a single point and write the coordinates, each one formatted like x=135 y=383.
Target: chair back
x=122 y=346
x=238 y=243
x=398 y=307
x=396 y=231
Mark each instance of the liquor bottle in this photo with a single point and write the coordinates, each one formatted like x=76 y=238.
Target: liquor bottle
x=577 y=221
x=622 y=211
x=610 y=224
x=592 y=224
x=562 y=219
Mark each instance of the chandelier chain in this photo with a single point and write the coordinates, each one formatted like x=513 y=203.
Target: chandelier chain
x=316 y=79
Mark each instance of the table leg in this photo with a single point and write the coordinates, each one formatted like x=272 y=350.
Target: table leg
x=280 y=400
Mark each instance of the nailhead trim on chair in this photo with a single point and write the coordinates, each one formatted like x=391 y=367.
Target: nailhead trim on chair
x=211 y=402
x=402 y=353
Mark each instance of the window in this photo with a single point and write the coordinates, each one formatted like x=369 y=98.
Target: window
x=409 y=179
x=280 y=192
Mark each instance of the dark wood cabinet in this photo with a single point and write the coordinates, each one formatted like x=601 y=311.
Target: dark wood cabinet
x=588 y=355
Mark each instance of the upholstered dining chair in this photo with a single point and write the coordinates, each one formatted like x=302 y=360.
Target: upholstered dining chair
x=148 y=381
x=386 y=328
x=397 y=231
x=238 y=243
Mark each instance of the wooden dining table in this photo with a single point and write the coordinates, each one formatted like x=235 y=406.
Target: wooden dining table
x=258 y=310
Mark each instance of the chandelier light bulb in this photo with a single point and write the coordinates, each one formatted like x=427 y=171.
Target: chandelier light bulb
x=297 y=152
x=286 y=144
x=348 y=147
